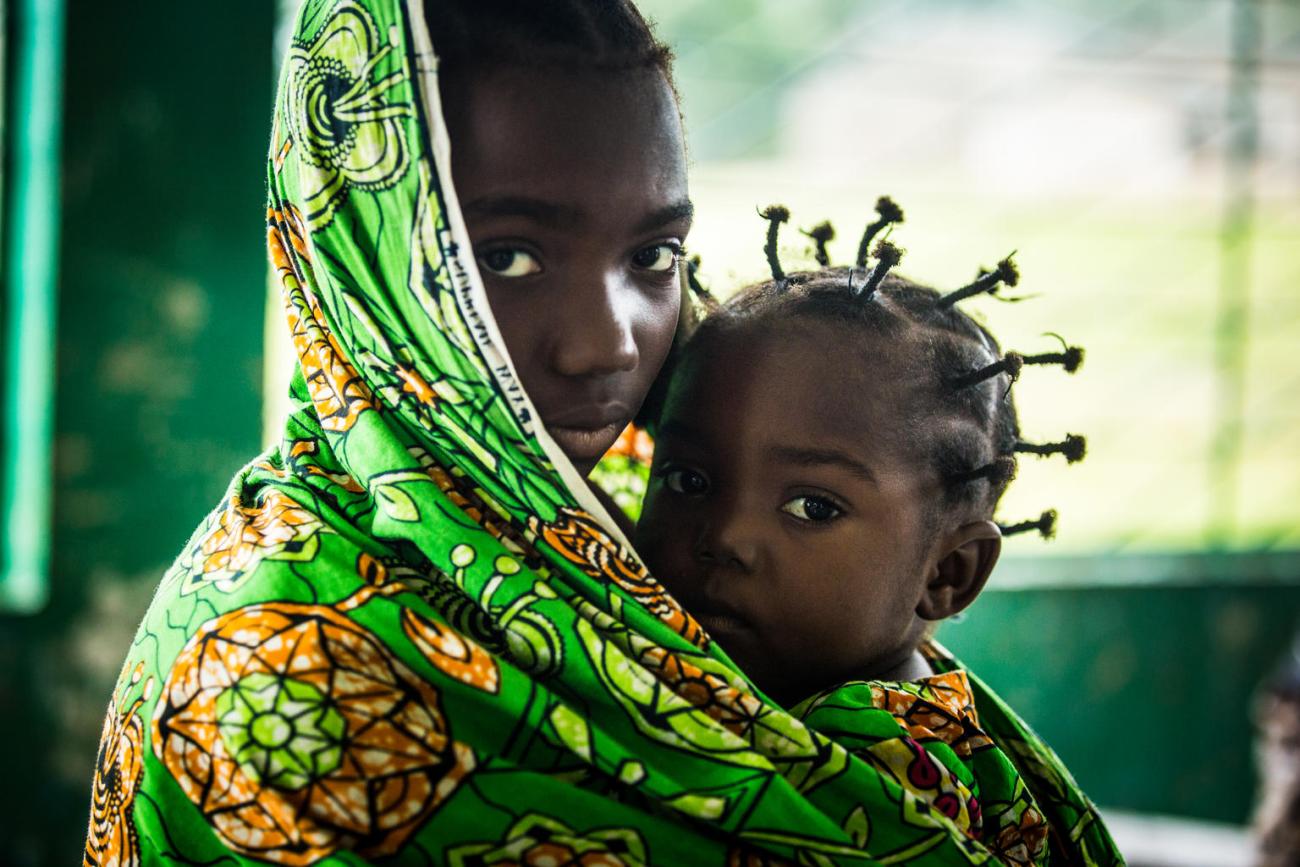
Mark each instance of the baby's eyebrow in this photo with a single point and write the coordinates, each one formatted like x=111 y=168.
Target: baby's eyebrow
x=678 y=429
x=810 y=457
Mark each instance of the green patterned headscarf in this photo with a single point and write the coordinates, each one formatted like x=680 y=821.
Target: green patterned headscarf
x=410 y=634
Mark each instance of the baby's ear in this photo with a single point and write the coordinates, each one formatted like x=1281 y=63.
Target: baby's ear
x=958 y=576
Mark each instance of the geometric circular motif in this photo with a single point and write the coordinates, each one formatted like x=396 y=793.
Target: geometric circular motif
x=282 y=732
x=297 y=733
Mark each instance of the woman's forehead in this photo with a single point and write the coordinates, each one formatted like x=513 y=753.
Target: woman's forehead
x=555 y=130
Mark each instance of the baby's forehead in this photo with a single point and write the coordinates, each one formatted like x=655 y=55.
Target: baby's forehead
x=819 y=376
x=825 y=354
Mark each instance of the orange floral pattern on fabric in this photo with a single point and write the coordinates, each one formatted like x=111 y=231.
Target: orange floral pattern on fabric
x=297 y=457
x=297 y=733
x=731 y=707
x=337 y=390
x=942 y=708
x=245 y=534
x=112 y=840
x=452 y=653
x=579 y=538
x=1022 y=842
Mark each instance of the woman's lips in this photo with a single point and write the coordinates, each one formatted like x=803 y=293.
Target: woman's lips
x=584 y=443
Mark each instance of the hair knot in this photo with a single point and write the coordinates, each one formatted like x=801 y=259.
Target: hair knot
x=775 y=216
x=887 y=213
x=1045 y=525
x=1070 y=357
x=822 y=233
x=987 y=282
x=1073 y=448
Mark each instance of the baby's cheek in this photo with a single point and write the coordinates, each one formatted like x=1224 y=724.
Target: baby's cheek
x=652 y=541
x=833 y=628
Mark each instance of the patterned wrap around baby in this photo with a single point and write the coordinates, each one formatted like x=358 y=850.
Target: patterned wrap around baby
x=410 y=635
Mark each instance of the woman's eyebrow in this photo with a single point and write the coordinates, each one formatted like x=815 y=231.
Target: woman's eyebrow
x=539 y=211
x=561 y=216
x=683 y=210
x=805 y=457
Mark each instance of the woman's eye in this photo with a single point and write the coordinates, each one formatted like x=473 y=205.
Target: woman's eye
x=814 y=509
x=508 y=262
x=685 y=482
x=660 y=257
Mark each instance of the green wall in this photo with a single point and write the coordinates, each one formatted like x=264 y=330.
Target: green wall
x=159 y=368
x=1145 y=692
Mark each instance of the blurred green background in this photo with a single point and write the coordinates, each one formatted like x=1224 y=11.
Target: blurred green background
x=1143 y=157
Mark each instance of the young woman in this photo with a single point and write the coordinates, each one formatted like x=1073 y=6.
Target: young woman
x=410 y=633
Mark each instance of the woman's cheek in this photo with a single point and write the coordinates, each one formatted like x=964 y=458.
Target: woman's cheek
x=658 y=328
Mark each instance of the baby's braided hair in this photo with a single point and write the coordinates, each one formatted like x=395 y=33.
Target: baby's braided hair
x=960 y=413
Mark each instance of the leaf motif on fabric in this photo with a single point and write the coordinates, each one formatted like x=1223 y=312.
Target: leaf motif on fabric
x=572 y=730
x=805 y=759
x=396 y=503
x=660 y=713
x=858 y=826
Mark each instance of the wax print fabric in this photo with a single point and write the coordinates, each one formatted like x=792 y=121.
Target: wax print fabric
x=409 y=635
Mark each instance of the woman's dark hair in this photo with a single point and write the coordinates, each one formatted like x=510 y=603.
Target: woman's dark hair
x=958 y=412
x=596 y=35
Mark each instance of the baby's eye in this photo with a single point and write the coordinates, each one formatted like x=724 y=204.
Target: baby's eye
x=510 y=262
x=660 y=257
x=685 y=482
x=817 y=510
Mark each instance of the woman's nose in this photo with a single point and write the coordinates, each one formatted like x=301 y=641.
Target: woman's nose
x=596 y=334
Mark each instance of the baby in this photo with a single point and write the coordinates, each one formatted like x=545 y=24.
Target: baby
x=828 y=457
